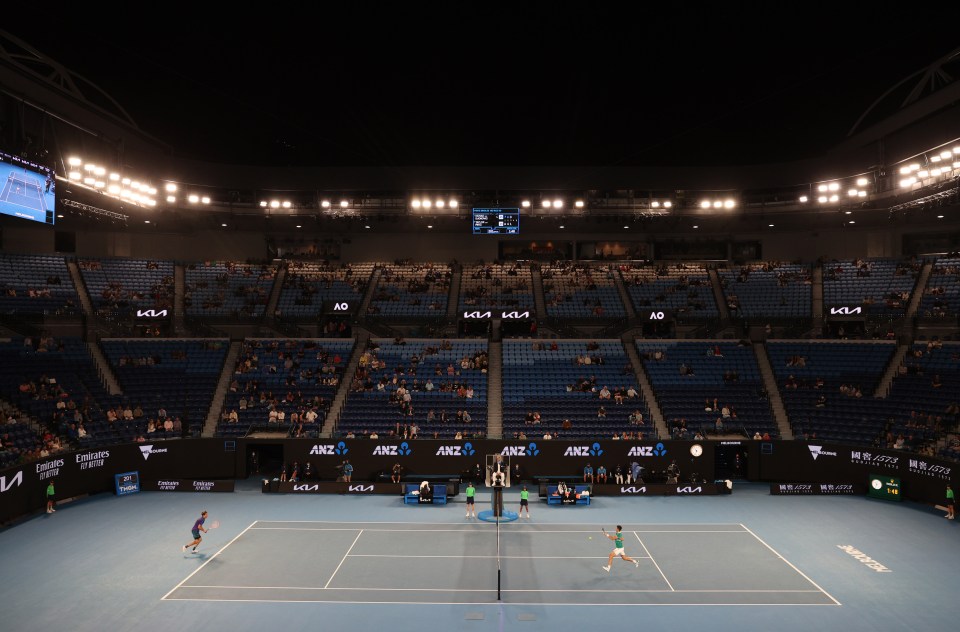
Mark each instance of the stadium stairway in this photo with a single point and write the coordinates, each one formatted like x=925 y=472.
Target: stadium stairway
x=718 y=296
x=816 y=300
x=659 y=423
x=371 y=290
x=454 y=297
x=495 y=390
x=918 y=289
x=886 y=382
x=624 y=296
x=216 y=402
x=773 y=391
x=271 y=310
x=106 y=373
x=78 y=283
x=179 y=294
x=346 y=380
x=538 y=291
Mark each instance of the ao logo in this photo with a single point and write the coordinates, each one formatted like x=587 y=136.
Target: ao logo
x=151 y=313
x=341 y=307
x=657 y=316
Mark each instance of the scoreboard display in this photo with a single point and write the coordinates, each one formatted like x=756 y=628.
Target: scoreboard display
x=496 y=221
x=885 y=487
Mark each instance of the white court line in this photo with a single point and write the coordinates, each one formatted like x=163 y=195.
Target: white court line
x=420 y=604
x=654 y=562
x=802 y=574
x=461 y=523
x=513 y=590
x=472 y=530
x=197 y=570
x=493 y=557
x=344 y=558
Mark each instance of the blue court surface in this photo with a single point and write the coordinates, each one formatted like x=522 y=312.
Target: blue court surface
x=747 y=561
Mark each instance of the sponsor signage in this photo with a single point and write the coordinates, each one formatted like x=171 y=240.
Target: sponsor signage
x=503 y=315
x=846 y=310
x=815 y=489
x=186 y=485
x=653 y=315
x=152 y=314
x=465 y=449
x=329 y=448
x=648 y=450
x=530 y=449
x=92 y=460
x=583 y=450
x=926 y=468
x=147 y=450
x=875 y=460
x=330 y=487
x=863 y=558
x=660 y=489
x=49 y=469
x=126 y=483
x=816 y=451
x=7 y=481
x=402 y=449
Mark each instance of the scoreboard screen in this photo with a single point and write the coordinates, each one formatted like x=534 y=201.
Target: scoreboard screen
x=885 y=487
x=496 y=221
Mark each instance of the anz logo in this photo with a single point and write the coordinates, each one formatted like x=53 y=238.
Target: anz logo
x=477 y=315
x=646 y=450
x=329 y=448
x=393 y=450
x=520 y=450
x=846 y=311
x=455 y=450
x=515 y=314
x=582 y=450
x=151 y=313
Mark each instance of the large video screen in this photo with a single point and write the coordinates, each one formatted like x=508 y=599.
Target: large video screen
x=28 y=190
x=496 y=221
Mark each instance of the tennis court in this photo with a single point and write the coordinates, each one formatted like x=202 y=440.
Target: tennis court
x=458 y=564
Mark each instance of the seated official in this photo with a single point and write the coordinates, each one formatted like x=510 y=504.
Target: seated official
x=498 y=472
x=426 y=492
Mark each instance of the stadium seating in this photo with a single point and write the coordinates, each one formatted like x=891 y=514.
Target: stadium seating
x=581 y=291
x=228 y=289
x=309 y=284
x=36 y=284
x=121 y=286
x=552 y=382
x=768 y=291
x=411 y=290
x=684 y=289
x=496 y=286
x=941 y=297
x=882 y=286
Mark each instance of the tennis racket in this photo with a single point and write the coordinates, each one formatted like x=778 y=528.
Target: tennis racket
x=603 y=530
x=215 y=524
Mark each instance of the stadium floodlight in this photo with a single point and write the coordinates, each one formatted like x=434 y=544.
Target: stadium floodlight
x=862 y=182
x=668 y=204
x=558 y=203
x=525 y=204
x=804 y=199
x=834 y=198
x=834 y=186
x=923 y=173
x=861 y=194
x=848 y=212
x=770 y=225
x=113 y=189
x=729 y=203
x=578 y=204
x=114 y=177
x=655 y=204
x=946 y=154
x=344 y=204
x=935 y=158
x=906 y=182
x=224 y=224
x=718 y=204
x=696 y=226
x=935 y=172
x=562 y=226
x=89 y=181
x=852 y=192
x=325 y=204
x=74 y=175
x=915 y=166
x=263 y=204
x=426 y=203
x=171 y=199
x=429 y=225
x=73 y=161
x=287 y=204
x=822 y=199
x=454 y=203
x=299 y=226
x=205 y=199
x=170 y=187
x=545 y=203
x=440 y=203
x=822 y=188
x=904 y=170
x=193 y=198
x=415 y=203
x=274 y=203
x=705 y=204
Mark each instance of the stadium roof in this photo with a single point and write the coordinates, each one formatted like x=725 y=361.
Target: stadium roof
x=537 y=84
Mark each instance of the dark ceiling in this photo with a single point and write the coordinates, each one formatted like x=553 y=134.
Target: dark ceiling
x=534 y=84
